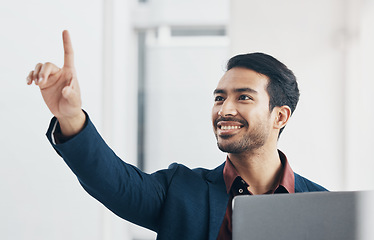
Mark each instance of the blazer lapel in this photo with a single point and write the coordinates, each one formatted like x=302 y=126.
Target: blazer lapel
x=218 y=199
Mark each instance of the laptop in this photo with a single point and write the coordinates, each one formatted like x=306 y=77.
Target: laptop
x=304 y=216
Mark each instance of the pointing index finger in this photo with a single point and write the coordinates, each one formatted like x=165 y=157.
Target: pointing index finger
x=68 y=50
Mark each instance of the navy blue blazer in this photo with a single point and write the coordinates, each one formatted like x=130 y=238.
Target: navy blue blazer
x=177 y=203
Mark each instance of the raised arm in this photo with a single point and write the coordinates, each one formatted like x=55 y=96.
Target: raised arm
x=60 y=90
x=121 y=187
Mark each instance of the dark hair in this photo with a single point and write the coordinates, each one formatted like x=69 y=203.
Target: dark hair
x=282 y=87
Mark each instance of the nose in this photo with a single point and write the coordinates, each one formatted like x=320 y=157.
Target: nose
x=227 y=109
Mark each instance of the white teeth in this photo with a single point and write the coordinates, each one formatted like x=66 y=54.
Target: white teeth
x=230 y=127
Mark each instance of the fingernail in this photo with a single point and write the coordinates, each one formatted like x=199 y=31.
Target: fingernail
x=40 y=80
x=28 y=80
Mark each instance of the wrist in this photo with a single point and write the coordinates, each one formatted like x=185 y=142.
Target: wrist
x=72 y=125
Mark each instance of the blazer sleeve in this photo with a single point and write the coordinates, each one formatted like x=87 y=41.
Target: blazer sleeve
x=124 y=189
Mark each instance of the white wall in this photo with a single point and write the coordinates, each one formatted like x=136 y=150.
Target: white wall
x=181 y=79
x=359 y=92
x=181 y=73
x=40 y=197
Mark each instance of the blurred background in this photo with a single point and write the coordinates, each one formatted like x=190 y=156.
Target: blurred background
x=147 y=70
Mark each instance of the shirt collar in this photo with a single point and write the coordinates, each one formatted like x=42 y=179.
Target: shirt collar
x=287 y=179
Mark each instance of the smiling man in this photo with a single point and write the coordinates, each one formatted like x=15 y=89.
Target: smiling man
x=252 y=104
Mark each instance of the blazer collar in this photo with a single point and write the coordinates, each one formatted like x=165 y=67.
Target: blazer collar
x=216 y=174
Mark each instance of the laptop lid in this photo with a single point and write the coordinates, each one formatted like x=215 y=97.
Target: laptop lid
x=309 y=216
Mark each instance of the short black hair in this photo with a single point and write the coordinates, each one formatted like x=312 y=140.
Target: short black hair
x=282 y=86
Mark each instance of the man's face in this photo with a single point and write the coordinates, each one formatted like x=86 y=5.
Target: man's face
x=241 y=117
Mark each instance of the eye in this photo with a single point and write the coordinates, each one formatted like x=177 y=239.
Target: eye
x=245 y=97
x=219 y=99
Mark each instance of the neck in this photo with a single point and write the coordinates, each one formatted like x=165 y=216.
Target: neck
x=261 y=169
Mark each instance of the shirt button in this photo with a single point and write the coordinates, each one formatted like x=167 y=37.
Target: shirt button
x=240 y=190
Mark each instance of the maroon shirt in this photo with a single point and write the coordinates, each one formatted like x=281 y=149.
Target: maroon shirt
x=235 y=186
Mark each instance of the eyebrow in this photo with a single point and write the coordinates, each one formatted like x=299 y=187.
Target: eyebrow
x=236 y=90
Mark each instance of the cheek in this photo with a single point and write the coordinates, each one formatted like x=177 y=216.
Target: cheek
x=252 y=116
x=245 y=112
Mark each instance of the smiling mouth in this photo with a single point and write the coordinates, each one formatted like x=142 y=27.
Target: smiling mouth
x=227 y=130
x=228 y=127
x=222 y=127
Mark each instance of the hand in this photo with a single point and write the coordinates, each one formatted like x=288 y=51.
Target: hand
x=60 y=90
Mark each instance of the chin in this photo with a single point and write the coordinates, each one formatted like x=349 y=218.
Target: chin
x=229 y=148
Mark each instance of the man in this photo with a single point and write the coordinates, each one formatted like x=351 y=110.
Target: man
x=253 y=102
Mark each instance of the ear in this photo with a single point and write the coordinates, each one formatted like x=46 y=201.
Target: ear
x=282 y=115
